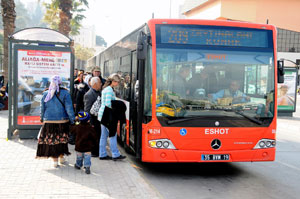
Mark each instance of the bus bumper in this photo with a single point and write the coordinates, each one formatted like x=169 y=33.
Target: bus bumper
x=163 y=155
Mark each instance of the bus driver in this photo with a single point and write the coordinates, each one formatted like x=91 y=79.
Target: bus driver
x=233 y=92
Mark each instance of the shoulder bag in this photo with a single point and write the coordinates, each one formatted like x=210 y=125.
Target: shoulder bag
x=96 y=106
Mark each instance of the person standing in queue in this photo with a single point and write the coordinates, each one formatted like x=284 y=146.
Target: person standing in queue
x=56 y=115
x=89 y=98
x=106 y=101
x=97 y=73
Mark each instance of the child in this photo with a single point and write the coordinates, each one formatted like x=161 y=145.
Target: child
x=85 y=139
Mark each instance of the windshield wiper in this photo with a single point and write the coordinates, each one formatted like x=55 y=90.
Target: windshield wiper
x=183 y=119
x=249 y=118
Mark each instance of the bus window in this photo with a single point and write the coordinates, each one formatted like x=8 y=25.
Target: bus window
x=123 y=90
x=148 y=84
x=189 y=84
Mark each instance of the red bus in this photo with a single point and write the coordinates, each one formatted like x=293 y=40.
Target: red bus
x=197 y=90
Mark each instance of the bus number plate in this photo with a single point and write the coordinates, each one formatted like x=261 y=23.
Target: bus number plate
x=215 y=157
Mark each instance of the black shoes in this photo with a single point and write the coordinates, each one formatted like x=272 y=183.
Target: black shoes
x=105 y=158
x=87 y=170
x=76 y=167
x=121 y=157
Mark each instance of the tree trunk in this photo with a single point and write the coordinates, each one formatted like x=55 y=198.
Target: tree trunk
x=65 y=16
x=8 y=17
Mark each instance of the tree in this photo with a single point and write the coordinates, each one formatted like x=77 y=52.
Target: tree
x=83 y=53
x=37 y=16
x=8 y=18
x=1 y=46
x=24 y=19
x=100 y=41
x=64 y=15
x=22 y=16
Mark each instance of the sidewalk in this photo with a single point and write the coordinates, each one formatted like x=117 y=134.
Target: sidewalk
x=23 y=176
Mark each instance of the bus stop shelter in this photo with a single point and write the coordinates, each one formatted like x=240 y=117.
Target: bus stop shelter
x=35 y=55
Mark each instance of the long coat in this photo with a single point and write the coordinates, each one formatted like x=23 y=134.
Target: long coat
x=111 y=116
x=85 y=137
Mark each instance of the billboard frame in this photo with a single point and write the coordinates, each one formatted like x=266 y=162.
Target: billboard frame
x=31 y=131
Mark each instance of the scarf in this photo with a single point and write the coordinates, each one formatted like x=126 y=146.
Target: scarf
x=54 y=87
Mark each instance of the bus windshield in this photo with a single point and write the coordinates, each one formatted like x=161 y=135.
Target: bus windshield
x=211 y=82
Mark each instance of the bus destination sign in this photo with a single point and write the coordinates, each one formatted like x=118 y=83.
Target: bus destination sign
x=213 y=36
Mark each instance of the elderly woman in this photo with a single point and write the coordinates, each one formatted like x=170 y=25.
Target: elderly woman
x=56 y=115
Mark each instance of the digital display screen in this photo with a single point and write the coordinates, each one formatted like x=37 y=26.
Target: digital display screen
x=212 y=36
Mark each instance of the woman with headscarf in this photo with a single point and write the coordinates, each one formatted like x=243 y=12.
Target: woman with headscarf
x=56 y=115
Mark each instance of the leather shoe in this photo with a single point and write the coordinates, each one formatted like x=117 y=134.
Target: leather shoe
x=105 y=158
x=121 y=157
x=76 y=167
x=87 y=170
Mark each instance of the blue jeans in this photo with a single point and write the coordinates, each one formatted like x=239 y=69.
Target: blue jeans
x=83 y=157
x=112 y=142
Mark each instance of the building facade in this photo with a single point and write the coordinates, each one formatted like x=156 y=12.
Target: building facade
x=86 y=37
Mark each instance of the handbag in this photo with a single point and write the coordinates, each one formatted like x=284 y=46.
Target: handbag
x=96 y=106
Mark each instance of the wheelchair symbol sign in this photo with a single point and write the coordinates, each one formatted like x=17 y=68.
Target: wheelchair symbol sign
x=183 y=132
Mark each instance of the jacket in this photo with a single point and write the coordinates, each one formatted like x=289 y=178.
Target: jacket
x=79 y=93
x=89 y=99
x=85 y=137
x=53 y=110
x=111 y=116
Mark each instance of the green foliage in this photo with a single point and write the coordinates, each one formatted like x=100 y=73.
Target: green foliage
x=25 y=19
x=52 y=14
x=100 y=41
x=83 y=53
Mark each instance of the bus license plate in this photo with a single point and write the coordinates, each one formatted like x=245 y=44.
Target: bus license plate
x=215 y=157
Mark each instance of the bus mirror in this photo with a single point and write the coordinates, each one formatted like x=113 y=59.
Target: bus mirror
x=280 y=71
x=142 y=46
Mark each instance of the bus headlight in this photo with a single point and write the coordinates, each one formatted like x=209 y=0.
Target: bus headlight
x=161 y=144
x=265 y=143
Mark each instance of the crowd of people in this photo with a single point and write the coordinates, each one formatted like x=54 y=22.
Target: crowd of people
x=65 y=115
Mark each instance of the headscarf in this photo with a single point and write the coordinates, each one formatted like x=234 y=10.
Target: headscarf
x=87 y=79
x=54 y=87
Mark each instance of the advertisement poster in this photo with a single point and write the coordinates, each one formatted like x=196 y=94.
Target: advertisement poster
x=286 y=92
x=35 y=69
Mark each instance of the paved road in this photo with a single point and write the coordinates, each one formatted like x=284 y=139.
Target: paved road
x=279 y=179
x=23 y=176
